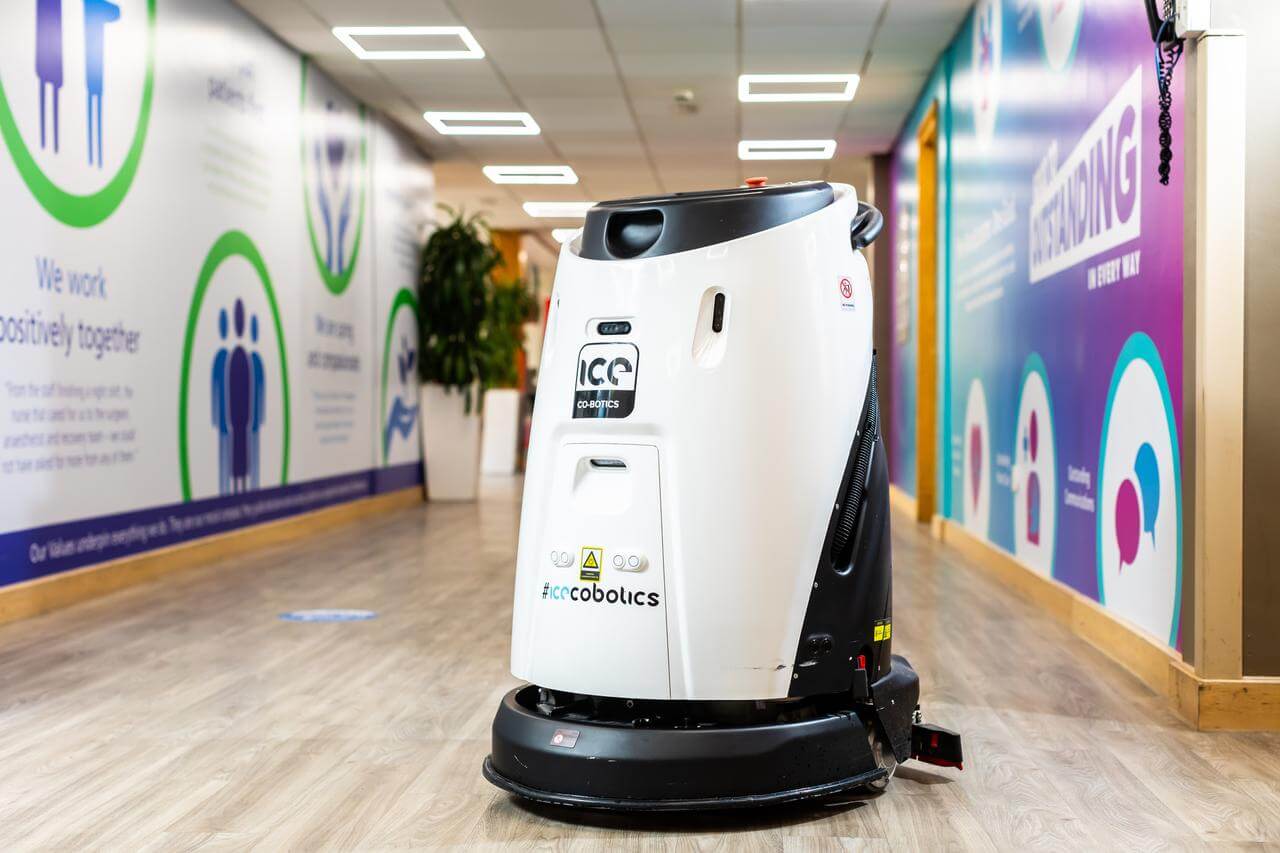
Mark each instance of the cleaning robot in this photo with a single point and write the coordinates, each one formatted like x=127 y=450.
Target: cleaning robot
x=702 y=597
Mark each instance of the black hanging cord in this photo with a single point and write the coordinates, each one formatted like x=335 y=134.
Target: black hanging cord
x=1168 y=52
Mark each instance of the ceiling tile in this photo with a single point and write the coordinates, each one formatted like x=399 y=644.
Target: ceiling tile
x=565 y=85
x=668 y=13
x=804 y=50
x=785 y=13
x=568 y=14
x=600 y=77
x=383 y=12
x=674 y=39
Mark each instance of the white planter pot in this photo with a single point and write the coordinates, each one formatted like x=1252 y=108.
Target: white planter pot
x=450 y=444
x=501 y=431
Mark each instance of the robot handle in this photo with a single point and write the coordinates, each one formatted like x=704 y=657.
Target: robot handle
x=866 y=226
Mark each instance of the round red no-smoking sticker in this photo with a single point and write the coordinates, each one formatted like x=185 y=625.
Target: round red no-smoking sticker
x=846 y=288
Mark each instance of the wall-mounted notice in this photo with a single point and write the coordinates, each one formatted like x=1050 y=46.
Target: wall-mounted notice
x=199 y=236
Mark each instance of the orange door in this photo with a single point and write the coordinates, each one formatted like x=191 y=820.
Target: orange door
x=927 y=317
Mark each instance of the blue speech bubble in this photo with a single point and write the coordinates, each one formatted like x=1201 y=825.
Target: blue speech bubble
x=1148 y=472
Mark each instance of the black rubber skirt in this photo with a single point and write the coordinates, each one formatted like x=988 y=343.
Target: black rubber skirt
x=584 y=764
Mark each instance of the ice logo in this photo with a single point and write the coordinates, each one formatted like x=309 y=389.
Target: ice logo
x=1138 y=507
x=49 y=69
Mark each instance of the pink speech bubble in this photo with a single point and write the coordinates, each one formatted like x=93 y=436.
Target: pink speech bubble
x=1128 y=522
x=975 y=461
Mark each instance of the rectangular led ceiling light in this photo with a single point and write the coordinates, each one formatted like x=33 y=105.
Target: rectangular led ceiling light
x=796 y=87
x=531 y=174
x=564 y=235
x=558 y=209
x=786 y=149
x=405 y=43
x=482 y=123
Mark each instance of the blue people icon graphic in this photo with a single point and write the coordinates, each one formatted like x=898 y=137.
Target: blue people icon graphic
x=259 y=405
x=49 y=70
x=97 y=14
x=218 y=385
x=403 y=416
x=239 y=392
x=49 y=65
x=239 y=403
x=333 y=186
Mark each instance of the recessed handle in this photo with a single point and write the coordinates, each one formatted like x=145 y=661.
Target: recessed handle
x=717 y=314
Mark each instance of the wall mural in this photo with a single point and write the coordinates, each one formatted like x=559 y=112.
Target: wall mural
x=195 y=321
x=1061 y=307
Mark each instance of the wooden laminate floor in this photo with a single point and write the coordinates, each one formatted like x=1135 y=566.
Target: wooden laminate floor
x=186 y=714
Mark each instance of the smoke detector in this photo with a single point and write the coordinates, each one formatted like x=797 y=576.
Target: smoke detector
x=685 y=101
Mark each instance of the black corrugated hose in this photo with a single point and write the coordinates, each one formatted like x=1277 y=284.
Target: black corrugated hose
x=848 y=522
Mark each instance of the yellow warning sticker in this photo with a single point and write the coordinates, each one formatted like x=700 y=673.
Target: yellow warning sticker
x=883 y=630
x=589 y=566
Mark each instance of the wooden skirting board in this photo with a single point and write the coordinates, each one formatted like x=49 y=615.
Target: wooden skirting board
x=1241 y=704
x=902 y=502
x=31 y=598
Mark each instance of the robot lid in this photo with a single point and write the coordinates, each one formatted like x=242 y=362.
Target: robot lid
x=650 y=226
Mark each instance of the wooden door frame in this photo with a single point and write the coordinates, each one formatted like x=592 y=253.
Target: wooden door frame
x=927 y=319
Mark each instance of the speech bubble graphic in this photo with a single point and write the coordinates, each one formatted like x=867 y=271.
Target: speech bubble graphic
x=975 y=461
x=1148 y=471
x=1033 y=429
x=1127 y=524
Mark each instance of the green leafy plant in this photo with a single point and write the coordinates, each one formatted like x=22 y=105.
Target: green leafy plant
x=510 y=307
x=453 y=300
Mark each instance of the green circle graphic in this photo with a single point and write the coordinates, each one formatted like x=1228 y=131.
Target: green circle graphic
x=233 y=244
x=404 y=299
x=84 y=211
x=1140 y=346
x=336 y=283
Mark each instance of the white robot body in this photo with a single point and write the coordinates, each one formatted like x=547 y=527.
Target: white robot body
x=685 y=459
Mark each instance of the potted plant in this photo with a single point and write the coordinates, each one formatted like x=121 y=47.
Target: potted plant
x=510 y=307
x=453 y=297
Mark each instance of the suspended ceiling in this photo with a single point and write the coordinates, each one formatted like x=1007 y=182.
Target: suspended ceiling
x=600 y=76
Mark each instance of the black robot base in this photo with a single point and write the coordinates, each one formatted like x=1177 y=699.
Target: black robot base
x=587 y=752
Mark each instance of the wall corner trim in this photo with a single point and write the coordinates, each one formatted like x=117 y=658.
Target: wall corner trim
x=1217 y=563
